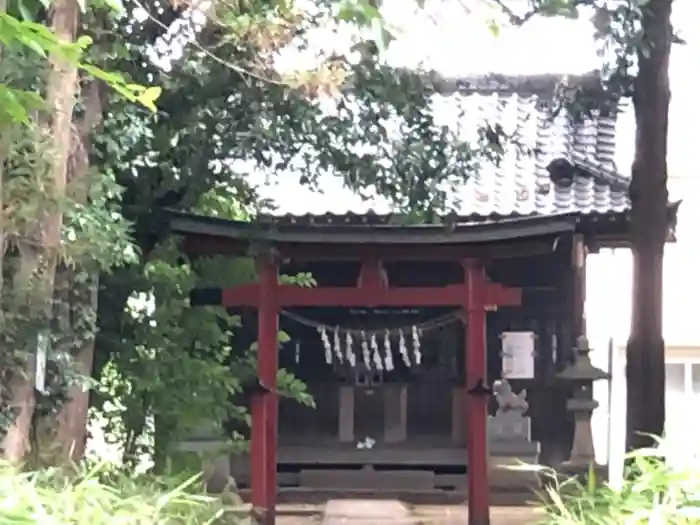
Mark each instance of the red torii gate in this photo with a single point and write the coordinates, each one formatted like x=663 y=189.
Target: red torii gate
x=472 y=244
x=475 y=296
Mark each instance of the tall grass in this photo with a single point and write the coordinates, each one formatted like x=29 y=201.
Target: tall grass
x=96 y=497
x=654 y=491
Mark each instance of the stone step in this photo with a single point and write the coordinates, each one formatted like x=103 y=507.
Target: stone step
x=367 y=479
x=366 y=512
x=315 y=496
x=410 y=480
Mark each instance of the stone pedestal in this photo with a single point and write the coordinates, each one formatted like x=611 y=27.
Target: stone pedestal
x=212 y=458
x=510 y=441
x=509 y=427
x=509 y=430
x=217 y=472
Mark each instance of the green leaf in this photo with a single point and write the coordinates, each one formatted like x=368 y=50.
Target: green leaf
x=385 y=38
x=346 y=13
x=84 y=41
x=15 y=104
x=361 y=12
x=368 y=10
x=12 y=110
x=494 y=27
x=36 y=47
x=149 y=96
x=116 y=5
x=24 y=11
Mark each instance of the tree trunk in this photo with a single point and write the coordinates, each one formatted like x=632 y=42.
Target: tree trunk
x=40 y=252
x=649 y=226
x=71 y=422
x=15 y=444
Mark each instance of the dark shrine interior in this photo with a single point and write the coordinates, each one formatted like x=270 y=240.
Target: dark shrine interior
x=533 y=274
x=543 y=280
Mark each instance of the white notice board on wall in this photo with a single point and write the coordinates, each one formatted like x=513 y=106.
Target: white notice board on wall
x=518 y=355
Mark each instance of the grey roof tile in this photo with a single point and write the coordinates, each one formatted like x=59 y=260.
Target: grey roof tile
x=569 y=168
x=523 y=183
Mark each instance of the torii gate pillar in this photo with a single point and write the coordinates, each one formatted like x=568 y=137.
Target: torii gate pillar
x=477 y=393
x=264 y=405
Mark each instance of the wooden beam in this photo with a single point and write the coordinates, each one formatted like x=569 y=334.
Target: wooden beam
x=485 y=252
x=204 y=245
x=487 y=230
x=295 y=296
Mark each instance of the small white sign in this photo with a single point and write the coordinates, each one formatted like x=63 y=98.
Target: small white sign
x=42 y=354
x=518 y=355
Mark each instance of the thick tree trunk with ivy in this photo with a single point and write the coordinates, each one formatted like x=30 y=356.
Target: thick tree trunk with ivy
x=81 y=284
x=649 y=195
x=40 y=249
x=69 y=427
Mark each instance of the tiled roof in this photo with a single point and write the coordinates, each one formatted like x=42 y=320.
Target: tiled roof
x=570 y=167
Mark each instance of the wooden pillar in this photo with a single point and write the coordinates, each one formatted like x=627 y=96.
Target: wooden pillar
x=578 y=267
x=263 y=446
x=477 y=395
x=578 y=257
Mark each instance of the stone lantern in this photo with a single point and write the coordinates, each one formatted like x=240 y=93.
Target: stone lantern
x=581 y=374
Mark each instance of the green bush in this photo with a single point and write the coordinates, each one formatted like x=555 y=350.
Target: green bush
x=654 y=491
x=97 y=497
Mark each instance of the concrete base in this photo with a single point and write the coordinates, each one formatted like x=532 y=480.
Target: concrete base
x=506 y=473
x=366 y=512
x=416 y=480
x=297 y=496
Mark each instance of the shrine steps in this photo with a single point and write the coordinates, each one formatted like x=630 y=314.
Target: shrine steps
x=414 y=486
x=315 y=496
x=410 y=479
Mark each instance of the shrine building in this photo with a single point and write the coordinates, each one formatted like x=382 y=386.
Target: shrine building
x=433 y=351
